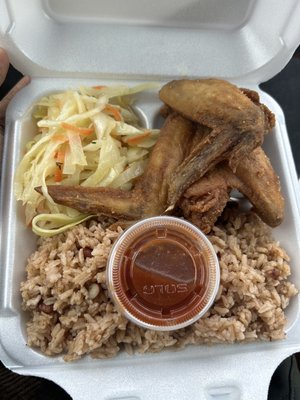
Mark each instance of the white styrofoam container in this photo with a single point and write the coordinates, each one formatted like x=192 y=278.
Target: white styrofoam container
x=66 y=43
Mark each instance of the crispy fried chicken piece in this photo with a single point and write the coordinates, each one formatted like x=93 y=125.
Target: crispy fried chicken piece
x=269 y=116
x=149 y=197
x=204 y=201
x=237 y=126
x=261 y=185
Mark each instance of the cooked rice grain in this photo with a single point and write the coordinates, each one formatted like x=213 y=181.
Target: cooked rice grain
x=71 y=313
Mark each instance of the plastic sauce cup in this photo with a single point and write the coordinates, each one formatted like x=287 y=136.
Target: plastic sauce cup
x=163 y=273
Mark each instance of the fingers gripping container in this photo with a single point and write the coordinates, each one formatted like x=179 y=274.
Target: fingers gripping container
x=63 y=44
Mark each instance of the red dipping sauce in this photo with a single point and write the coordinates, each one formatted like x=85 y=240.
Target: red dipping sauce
x=163 y=273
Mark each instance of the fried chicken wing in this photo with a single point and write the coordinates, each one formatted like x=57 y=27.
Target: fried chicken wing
x=203 y=202
x=237 y=126
x=149 y=197
x=261 y=185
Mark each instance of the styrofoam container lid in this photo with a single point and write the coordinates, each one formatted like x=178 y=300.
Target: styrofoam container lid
x=246 y=40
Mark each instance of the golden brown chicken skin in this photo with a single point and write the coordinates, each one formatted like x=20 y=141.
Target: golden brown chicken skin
x=203 y=202
x=237 y=124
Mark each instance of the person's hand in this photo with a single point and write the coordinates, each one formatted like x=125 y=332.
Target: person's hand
x=4 y=65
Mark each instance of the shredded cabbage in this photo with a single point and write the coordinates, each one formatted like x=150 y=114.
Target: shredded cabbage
x=56 y=223
x=89 y=137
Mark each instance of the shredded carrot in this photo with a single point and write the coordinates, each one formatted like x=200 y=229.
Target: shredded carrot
x=73 y=128
x=57 y=174
x=60 y=156
x=134 y=140
x=99 y=87
x=113 y=111
x=59 y=138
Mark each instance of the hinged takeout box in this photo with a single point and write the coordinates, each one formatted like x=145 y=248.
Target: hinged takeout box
x=63 y=44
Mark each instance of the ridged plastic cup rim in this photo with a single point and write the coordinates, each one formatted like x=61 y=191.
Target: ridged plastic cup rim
x=111 y=262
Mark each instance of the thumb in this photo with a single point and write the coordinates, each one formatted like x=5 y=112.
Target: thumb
x=4 y=65
x=5 y=101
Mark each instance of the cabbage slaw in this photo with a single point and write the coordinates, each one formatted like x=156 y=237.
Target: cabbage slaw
x=89 y=137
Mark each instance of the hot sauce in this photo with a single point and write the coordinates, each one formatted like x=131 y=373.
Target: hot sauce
x=163 y=273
